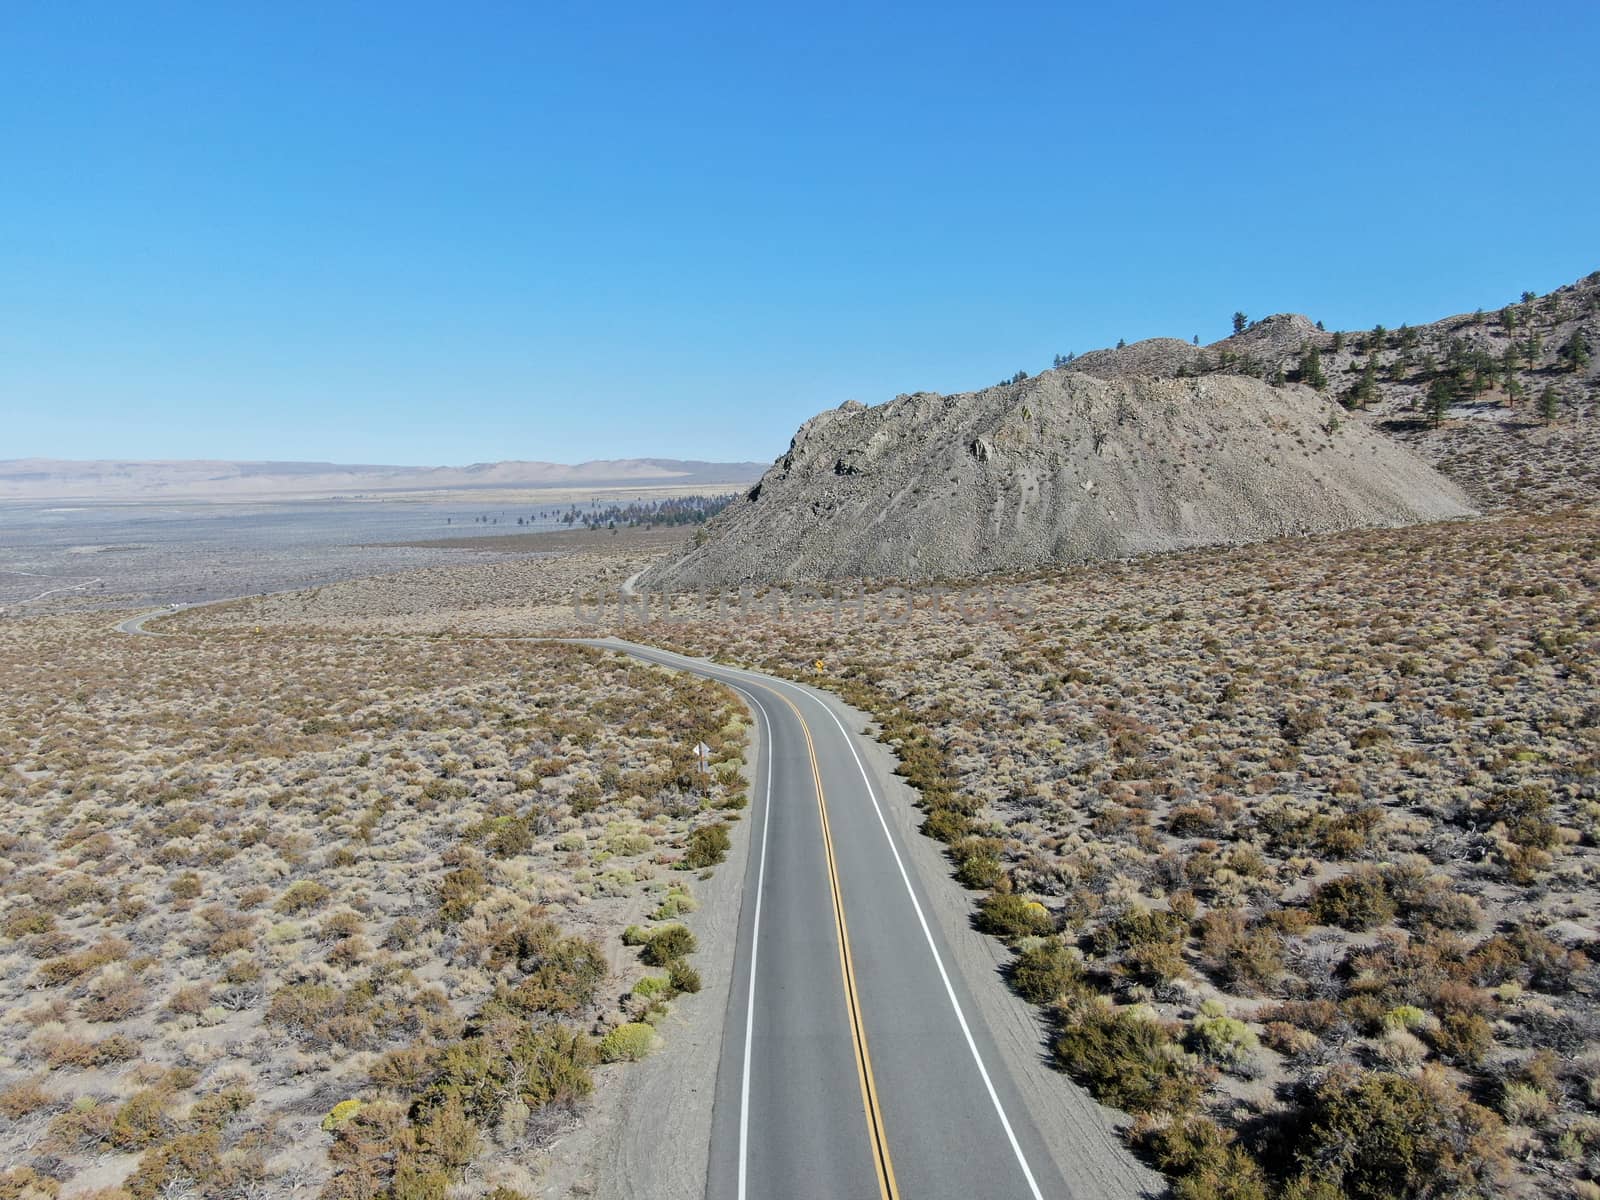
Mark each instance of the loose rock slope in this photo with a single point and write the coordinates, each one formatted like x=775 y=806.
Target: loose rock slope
x=1063 y=467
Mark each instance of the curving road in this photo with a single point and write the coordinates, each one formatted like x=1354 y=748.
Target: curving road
x=853 y=1062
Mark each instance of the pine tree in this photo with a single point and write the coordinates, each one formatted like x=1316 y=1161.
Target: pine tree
x=1440 y=393
x=1311 y=369
x=1575 y=352
x=1549 y=404
x=1240 y=322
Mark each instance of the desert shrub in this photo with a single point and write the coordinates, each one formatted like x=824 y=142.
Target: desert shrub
x=1405 y=1016
x=682 y=977
x=304 y=1007
x=627 y=1043
x=196 y=1152
x=71 y=967
x=1348 y=835
x=1357 y=901
x=340 y=925
x=1126 y=1059
x=946 y=824
x=1149 y=941
x=1462 y=1038
x=1438 y=906
x=1223 y=1040
x=112 y=1003
x=1289 y=1040
x=652 y=986
x=25 y=922
x=1321 y=1017
x=301 y=896
x=561 y=973
x=84 y=1127
x=677 y=902
x=74 y=1052
x=459 y=891
x=978 y=864
x=1007 y=915
x=668 y=944
x=141 y=1120
x=24 y=1183
x=1237 y=955
x=707 y=847
x=1201 y=1158
x=540 y=1065
x=1300 y=723
x=1195 y=820
x=449 y=1136
x=407 y=1069
x=23 y=1098
x=1377 y=1136
x=512 y=836
x=1526 y=1104
x=1046 y=972
x=402 y=932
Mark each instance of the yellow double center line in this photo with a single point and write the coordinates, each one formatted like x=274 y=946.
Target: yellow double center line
x=888 y=1189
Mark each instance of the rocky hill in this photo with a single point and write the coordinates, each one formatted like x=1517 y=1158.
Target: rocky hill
x=1058 y=468
x=1506 y=401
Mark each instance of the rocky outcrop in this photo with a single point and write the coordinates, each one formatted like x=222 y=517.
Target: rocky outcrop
x=1062 y=467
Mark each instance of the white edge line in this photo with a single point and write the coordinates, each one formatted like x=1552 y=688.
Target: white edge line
x=755 y=942
x=938 y=961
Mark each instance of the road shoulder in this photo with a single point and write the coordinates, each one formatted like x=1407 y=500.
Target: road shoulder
x=648 y=1132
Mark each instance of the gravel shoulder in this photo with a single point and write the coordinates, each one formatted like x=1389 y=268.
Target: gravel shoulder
x=647 y=1136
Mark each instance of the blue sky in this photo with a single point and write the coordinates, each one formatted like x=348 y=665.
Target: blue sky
x=452 y=233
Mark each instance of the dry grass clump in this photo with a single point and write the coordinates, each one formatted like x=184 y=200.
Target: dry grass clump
x=250 y=880
x=1295 y=835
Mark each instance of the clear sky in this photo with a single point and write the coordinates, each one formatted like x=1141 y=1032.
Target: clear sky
x=393 y=232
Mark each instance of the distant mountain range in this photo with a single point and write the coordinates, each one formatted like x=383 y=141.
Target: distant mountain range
x=199 y=479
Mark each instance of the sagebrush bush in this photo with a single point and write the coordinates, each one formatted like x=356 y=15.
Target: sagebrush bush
x=301 y=896
x=1010 y=916
x=1357 y=901
x=22 y=1098
x=627 y=1043
x=682 y=977
x=1126 y=1059
x=1223 y=1040
x=707 y=847
x=1047 y=972
x=1376 y=1136
x=1203 y=1159
x=667 y=945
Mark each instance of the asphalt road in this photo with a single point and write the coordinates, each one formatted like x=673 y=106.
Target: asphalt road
x=853 y=1062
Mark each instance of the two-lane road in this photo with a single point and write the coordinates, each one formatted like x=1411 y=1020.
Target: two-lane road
x=853 y=1065
x=856 y=1062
